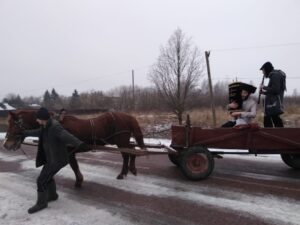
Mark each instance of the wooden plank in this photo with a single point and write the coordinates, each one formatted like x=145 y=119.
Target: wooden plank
x=279 y=139
x=134 y=151
x=137 y=152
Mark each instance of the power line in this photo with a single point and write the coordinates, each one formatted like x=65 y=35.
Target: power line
x=249 y=78
x=255 y=47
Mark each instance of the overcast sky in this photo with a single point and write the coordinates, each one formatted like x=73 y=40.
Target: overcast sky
x=94 y=44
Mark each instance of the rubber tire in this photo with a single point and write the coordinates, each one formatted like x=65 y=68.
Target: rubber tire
x=292 y=160
x=175 y=159
x=192 y=152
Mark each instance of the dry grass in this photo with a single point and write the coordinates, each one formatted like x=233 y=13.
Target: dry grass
x=203 y=117
x=3 y=121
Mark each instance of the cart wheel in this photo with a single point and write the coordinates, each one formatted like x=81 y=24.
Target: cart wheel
x=197 y=163
x=175 y=159
x=292 y=160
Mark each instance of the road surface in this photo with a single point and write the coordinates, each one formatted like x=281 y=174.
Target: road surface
x=241 y=190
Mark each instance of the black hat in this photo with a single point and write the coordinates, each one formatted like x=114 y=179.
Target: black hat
x=43 y=114
x=248 y=87
x=267 y=67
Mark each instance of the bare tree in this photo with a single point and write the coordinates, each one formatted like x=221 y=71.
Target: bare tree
x=177 y=71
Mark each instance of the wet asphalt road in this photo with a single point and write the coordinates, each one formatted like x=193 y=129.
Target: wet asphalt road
x=241 y=190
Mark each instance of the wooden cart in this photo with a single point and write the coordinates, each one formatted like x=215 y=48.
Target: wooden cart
x=196 y=161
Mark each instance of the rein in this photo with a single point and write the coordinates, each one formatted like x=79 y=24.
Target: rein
x=24 y=153
x=21 y=149
x=29 y=144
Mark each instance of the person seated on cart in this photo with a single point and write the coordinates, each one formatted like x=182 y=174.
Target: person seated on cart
x=60 y=115
x=243 y=107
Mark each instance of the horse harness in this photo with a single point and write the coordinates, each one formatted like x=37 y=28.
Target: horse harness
x=114 y=131
x=93 y=132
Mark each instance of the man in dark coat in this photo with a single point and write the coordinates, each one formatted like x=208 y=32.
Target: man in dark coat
x=52 y=154
x=274 y=93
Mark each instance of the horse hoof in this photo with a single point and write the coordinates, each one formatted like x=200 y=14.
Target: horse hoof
x=78 y=184
x=120 y=177
x=133 y=171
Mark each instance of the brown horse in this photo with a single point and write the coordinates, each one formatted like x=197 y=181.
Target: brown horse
x=110 y=128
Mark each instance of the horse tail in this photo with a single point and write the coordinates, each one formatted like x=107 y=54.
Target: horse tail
x=137 y=132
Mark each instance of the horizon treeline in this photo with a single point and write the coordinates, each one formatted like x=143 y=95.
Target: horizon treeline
x=122 y=99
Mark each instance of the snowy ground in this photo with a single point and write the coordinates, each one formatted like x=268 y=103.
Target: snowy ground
x=17 y=185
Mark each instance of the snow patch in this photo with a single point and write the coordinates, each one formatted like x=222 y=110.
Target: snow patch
x=16 y=197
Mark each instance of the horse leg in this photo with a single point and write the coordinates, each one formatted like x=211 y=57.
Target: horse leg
x=75 y=167
x=124 y=167
x=132 y=167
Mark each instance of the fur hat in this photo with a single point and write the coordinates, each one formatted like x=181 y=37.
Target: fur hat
x=43 y=114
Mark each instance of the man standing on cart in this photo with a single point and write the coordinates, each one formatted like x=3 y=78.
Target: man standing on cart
x=246 y=111
x=274 y=92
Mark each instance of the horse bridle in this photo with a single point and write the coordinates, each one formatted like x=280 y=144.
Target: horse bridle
x=19 y=123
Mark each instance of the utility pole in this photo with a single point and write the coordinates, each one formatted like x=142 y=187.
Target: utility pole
x=133 y=96
x=213 y=108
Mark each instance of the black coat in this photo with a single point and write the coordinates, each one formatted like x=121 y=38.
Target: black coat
x=274 y=92
x=53 y=145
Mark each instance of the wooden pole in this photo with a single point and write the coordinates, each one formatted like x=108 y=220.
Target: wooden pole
x=213 y=108
x=133 y=95
x=262 y=84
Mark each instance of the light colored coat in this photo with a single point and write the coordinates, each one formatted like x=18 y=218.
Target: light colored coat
x=249 y=111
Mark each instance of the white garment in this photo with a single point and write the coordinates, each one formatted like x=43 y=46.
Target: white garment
x=249 y=111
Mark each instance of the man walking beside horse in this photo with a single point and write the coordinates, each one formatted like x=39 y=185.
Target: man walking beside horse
x=52 y=155
x=57 y=146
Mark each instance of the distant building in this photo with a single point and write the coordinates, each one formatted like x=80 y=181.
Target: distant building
x=6 y=106
x=34 y=106
x=4 y=109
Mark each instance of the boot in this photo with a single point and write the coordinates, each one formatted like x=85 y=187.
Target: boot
x=41 y=202
x=52 y=194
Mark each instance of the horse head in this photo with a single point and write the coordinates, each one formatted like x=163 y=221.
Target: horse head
x=18 y=121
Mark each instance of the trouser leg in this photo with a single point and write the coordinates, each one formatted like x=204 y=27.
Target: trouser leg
x=277 y=121
x=52 y=194
x=44 y=180
x=268 y=121
x=46 y=176
x=229 y=124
